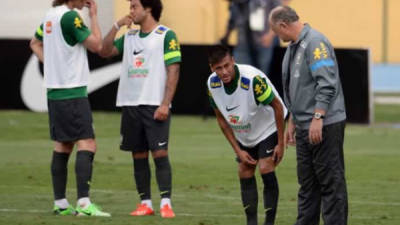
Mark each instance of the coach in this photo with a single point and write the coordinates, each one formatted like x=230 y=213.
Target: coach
x=314 y=96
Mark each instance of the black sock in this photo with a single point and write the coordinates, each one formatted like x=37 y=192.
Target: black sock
x=248 y=188
x=142 y=177
x=83 y=171
x=163 y=175
x=59 y=174
x=271 y=194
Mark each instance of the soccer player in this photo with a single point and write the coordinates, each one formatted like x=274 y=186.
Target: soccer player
x=251 y=114
x=150 y=72
x=61 y=43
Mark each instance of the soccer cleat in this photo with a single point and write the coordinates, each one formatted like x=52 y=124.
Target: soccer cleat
x=166 y=212
x=64 y=212
x=142 y=210
x=91 y=210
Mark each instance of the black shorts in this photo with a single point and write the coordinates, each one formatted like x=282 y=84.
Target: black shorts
x=70 y=120
x=140 y=132
x=264 y=149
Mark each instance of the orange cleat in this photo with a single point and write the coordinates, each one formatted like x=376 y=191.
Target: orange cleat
x=166 y=212
x=142 y=210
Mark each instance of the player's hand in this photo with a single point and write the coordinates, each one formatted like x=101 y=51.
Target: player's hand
x=289 y=134
x=161 y=113
x=279 y=151
x=246 y=158
x=91 y=4
x=125 y=21
x=315 y=131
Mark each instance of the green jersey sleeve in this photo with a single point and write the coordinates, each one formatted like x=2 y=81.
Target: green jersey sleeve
x=262 y=91
x=210 y=98
x=172 y=49
x=73 y=28
x=119 y=44
x=39 y=33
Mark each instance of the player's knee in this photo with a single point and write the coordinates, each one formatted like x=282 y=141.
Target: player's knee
x=64 y=147
x=245 y=171
x=159 y=154
x=266 y=166
x=140 y=155
x=87 y=144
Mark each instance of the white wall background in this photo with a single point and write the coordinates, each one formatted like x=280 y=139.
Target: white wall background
x=20 y=18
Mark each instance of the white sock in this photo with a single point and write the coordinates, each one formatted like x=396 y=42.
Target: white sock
x=62 y=203
x=84 y=202
x=165 y=201
x=148 y=203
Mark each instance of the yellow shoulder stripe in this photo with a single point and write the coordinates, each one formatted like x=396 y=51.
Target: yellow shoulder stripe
x=266 y=95
x=171 y=55
x=39 y=31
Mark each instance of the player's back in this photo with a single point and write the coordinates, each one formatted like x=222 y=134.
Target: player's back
x=65 y=59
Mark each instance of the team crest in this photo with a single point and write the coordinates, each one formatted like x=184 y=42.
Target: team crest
x=320 y=53
x=173 y=45
x=78 y=22
x=48 y=27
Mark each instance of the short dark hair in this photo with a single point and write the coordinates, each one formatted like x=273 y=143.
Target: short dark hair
x=59 y=2
x=217 y=52
x=284 y=14
x=156 y=7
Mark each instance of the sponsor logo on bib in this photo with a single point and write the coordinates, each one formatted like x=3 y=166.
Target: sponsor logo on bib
x=138 y=70
x=237 y=125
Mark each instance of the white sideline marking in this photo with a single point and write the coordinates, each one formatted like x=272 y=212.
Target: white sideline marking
x=27 y=210
x=211 y=196
x=387 y=100
x=182 y=214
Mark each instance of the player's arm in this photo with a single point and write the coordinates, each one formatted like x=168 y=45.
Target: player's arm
x=280 y=126
x=290 y=132
x=112 y=47
x=264 y=95
x=228 y=133
x=172 y=81
x=36 y=43
x=323 y=69
x=172 y=59
x=93 y=42
x=75 y=31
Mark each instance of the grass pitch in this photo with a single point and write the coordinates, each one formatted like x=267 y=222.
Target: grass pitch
x=205 y=183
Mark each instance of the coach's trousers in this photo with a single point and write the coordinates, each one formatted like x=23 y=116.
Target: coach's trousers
x=320 y=172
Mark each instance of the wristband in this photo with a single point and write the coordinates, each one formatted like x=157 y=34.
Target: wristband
x=116 y=26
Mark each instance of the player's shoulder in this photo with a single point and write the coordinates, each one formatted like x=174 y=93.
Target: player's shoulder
x=132 y=32
x=316 y=38
x=68 y=14
x=249 y=72
x=162 y=29
x=214 y=81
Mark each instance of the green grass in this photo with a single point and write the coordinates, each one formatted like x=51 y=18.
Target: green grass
x=387 y=94
x=205 y=183
x=387 y=113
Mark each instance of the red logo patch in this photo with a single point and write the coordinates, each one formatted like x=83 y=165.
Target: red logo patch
x=48 y=27
x=139 y=61
x=234 y=119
